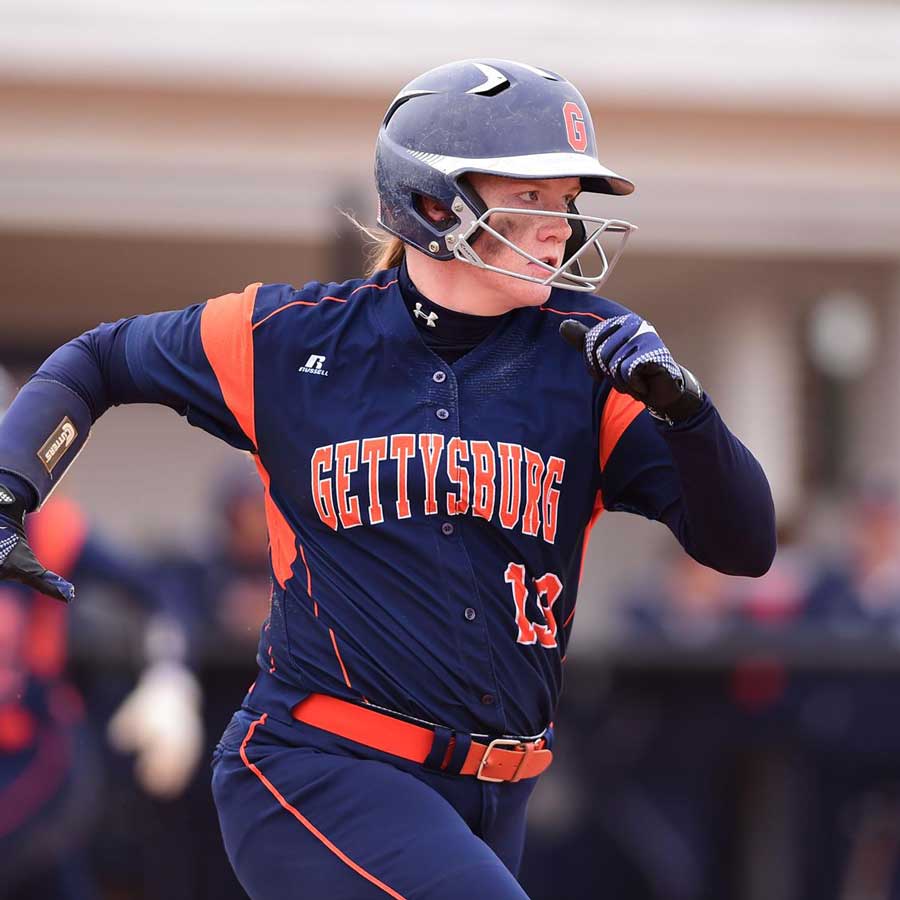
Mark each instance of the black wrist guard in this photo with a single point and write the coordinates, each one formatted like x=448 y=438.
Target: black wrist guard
x=686 y=405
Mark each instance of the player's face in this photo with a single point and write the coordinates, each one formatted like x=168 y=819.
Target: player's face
x=543 y=237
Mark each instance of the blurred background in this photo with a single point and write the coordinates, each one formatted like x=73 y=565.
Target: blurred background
x=718 y=737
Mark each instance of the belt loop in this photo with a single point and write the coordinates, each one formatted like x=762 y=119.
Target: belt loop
x=460 y=752
x=438 y=748
x=548 y=737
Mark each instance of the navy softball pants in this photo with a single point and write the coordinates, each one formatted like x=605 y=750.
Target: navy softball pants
x=306 y=814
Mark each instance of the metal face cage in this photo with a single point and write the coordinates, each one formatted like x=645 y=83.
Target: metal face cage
x=568 y=274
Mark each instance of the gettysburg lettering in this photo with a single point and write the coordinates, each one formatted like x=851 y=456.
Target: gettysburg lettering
x=507 y=481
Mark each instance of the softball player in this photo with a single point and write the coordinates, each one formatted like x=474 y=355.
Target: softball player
x=433 y=456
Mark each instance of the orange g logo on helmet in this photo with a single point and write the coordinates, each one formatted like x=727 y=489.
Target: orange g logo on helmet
x=575 y=128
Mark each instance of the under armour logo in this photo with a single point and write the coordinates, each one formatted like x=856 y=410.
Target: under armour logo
x=430 y=318
x=314 y=365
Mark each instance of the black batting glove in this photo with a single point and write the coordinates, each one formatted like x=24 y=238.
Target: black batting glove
x=628 y=351
x=17 y=560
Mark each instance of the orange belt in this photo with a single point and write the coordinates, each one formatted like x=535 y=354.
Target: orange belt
x=503 y=759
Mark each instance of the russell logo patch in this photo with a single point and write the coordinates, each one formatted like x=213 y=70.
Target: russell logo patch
x=315 y=365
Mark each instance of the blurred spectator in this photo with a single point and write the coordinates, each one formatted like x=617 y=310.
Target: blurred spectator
x=682 y=601
x=777 y=600
x=221 y=588
x=793 y=727
x=220 y=592
x=858 y=584
x=50 y=779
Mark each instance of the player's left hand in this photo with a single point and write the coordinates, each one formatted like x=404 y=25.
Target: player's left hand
x=628 y=351
x=17 y=559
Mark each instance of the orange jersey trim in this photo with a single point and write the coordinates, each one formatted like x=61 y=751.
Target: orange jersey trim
x=282 y=540
x=379 y=287
x=303 y=820
x=371 y=284
x=289 y=305
x=338 y=655
x=619 y=412
x=308 y=575
x=598 y=511
x=573 y=312
x=227 y=336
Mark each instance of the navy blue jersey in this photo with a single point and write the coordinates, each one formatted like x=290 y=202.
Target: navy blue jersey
x=427 y=522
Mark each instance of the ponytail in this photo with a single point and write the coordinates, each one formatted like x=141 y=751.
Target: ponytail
x=388 y=252
x=385 y=250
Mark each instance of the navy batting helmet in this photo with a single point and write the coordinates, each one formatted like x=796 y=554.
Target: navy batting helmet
x=497 y=117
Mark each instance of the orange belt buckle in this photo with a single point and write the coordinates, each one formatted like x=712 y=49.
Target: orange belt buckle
x=525 y=749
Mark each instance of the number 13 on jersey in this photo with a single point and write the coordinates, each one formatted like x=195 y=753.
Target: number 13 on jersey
x=548 y=588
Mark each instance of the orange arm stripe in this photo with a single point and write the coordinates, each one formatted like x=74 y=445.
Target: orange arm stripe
x=619 y=412
x=227 y=337
x=303 y=820
x=380 y=287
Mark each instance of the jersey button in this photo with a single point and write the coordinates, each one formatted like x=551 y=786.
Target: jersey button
x=439 y=376
x=442 y=413
x=470 y=614
x=447 y=529
x=487 y=699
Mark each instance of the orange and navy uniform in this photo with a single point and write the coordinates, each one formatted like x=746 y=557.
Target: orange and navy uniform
x=427 y=521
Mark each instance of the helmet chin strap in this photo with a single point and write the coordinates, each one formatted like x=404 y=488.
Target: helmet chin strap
x=568 y=274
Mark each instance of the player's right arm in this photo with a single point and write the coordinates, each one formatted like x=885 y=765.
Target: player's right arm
x=198 y=361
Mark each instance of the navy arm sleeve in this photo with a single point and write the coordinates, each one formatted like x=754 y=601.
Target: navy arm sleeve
x=157 y=358
x=160 y=358
x=702 y=482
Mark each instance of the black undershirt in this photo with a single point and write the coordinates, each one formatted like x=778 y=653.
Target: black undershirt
x=446 y=332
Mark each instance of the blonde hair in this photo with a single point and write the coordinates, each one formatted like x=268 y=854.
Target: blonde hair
x=384 y=250
x=387 y=253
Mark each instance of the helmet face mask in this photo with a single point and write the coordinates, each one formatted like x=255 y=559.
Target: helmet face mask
x=568 y=274
x=499 y=118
